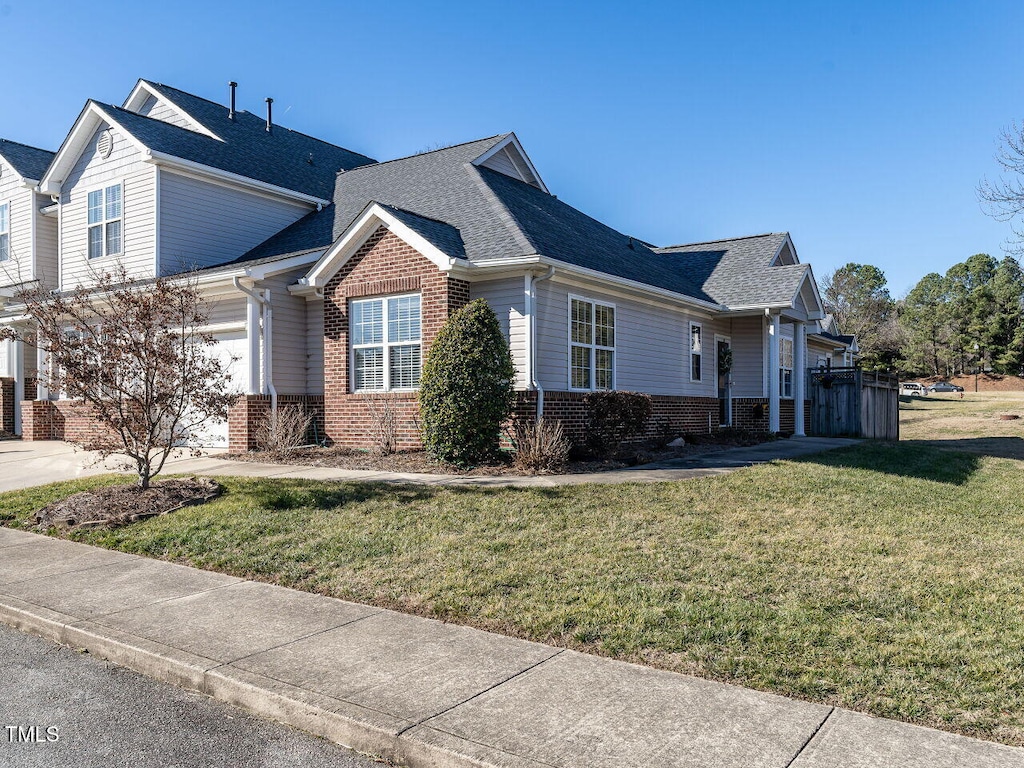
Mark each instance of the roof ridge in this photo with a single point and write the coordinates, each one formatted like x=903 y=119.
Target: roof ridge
x=720 y=240
x=412 y=213
x=429 y=152
x=26 y=146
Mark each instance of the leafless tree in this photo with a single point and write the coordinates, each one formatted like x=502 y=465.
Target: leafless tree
x=1004 y=197
x=135 y=353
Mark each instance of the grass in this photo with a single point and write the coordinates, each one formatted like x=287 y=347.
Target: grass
x=884 y=578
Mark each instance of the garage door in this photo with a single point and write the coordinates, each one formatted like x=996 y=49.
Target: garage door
x=214 y=434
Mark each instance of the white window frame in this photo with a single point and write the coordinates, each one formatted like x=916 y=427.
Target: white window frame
x=784 y=369
x=593 y=347
x=5 y=231
x=699 y=353
x=105 y=221
x=385 y=345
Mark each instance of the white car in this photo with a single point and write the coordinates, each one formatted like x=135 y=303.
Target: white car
x=913 y=389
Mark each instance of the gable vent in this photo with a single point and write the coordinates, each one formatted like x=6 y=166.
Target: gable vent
x=105 y=144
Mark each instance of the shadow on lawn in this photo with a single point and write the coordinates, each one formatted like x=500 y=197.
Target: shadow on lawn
x=288 y=494
x=953 y=463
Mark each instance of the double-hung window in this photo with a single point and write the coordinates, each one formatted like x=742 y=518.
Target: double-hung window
x=386 y=343
x=105 y=230
x=785 y=367
x=591 y=344
x=5 y=231
x=696 y=352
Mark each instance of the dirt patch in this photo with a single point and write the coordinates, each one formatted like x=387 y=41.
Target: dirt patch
x=420 y=463
x=123 y=504
x=987 y=382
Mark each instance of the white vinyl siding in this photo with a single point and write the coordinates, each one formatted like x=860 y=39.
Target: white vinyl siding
x=45 y=261
x=748 y=350
x=291 y=353
x=124 y=166
x=315 y=347
x=18 y=266
x=203 y=224
x=696 y=348
x=591 y=344
x=507 y=298
x=161 y=110
x=386 y=347
x=5 y=231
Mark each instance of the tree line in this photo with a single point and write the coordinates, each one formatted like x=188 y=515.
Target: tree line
x=965 y=320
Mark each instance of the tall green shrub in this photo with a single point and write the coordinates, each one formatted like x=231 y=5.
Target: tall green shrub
x=466 y=388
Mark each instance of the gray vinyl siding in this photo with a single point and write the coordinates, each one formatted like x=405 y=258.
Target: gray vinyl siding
x=46 y=243
x=507 y=298
x=651 y=344
x=315 y=347
x=138 y=197
x=161 y=110
x=203 y=224
x=290 y=341
x=19 y=267
x=747 y=335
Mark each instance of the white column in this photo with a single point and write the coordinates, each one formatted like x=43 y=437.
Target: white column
x=774 y=332
x=18 y=371
x=42 y=371
x=799 y=376
x=252 y=331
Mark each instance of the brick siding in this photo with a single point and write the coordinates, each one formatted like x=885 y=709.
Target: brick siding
x=7 y=405
x=250 y=412
x=384 y=265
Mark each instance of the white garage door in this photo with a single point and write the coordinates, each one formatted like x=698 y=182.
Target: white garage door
x=234 y=344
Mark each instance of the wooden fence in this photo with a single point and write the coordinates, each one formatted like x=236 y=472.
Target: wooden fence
x=849 y=402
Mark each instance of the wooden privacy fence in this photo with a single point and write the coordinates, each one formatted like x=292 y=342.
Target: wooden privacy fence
x=849 y=402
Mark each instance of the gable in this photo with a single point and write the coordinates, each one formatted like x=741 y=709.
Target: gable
x=509 y=157
x=147 y=101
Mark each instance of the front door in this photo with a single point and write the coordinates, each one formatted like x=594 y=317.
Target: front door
x=723 y=369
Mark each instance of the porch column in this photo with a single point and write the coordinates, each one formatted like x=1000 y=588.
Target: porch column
x=799 y=376
x=774 y=333
x=18 y=371
x=42 y=370
x=252 y=331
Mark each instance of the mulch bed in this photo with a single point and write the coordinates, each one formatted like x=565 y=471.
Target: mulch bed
x=419 y=462
x=123 y=504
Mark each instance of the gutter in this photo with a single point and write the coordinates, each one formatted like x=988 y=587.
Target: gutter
x=263 y=302
x=531 y=351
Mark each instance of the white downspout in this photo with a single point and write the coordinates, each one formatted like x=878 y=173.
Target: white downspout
x=256 y=303
x=531 y=309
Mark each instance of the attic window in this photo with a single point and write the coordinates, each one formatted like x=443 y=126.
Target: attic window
x=105 y=144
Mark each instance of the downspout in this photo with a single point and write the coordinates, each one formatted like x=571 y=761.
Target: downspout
x=264 y=302
x=532 y=299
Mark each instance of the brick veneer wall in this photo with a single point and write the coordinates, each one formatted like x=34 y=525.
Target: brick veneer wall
x=383 y=266
x=250 y=412
x=7 y=405
x=70 y=420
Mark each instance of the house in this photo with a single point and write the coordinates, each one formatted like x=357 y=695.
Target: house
x=330 y=273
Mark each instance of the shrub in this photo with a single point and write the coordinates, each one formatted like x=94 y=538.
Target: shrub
x=384 y=422
x=466 y=389
x=285 y=429
x=615 y=417
x=541 y=445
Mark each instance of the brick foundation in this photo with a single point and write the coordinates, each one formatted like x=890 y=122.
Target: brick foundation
x=69 y=420
x=7 y=405
x=250 y=412
x=353 y=419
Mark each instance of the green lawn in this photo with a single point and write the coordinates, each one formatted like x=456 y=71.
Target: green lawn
x=882 y=578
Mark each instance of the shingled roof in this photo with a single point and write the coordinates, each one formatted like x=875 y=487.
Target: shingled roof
x=499 y=217
x=29 y=162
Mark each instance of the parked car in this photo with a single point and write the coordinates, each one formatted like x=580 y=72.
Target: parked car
x=945 y=386
x=913 y=389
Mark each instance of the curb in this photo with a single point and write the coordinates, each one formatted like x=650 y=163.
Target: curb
x=307 y=711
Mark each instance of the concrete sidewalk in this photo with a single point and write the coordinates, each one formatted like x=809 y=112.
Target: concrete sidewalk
x=24 y=464
x=426 y=693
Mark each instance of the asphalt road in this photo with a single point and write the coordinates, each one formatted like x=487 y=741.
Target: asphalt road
x=103 y=716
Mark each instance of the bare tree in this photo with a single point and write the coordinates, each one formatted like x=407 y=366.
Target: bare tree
x=1004 y=197
x=135 y=353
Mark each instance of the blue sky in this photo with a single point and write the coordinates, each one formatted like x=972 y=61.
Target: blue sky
x=861 y=128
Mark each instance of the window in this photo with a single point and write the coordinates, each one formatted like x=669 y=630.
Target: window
x=5 y=232
x=105 y=221
x=785 y=367
x=386 y=343
x=591 y=345
x=696 y=352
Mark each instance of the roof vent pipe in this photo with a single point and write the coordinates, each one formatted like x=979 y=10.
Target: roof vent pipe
x=231 y=99
x=270 y=107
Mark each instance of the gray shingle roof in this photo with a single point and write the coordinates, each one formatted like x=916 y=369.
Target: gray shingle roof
x=498 y=217
x=29 y=162
x=282 y=157
x=738 y=272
